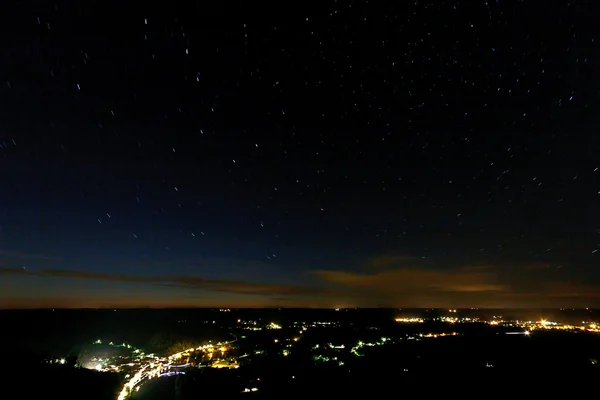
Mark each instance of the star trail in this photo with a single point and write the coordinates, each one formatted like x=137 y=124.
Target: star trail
x=341 y=154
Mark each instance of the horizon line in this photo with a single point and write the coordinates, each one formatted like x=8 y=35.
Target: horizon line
x=290 y=308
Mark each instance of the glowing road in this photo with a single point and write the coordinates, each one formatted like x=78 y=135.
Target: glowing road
x=153 y=368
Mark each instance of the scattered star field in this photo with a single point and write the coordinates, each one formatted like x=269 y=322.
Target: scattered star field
x=341 y=154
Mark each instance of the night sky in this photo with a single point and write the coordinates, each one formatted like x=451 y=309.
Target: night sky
x=288 y=154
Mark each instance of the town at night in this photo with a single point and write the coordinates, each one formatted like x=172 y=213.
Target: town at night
x=178 y=354
x=329 y=199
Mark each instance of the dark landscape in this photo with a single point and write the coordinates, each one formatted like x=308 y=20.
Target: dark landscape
x=274 y=353
x=299 y=200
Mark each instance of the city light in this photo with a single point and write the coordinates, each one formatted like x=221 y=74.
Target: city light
x=409 y=320
x=139 y=367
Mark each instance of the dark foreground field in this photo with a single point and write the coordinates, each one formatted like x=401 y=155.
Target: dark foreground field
x=482 y=361
x=38 y=381
x=544 y=366
x=550 y=364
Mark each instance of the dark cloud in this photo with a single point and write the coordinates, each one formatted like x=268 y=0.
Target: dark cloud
x=180 y=281
x=410 y=282
x=416 y=286
x=395 y=281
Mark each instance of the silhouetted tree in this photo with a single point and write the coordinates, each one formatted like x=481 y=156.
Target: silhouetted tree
x=160 y=341
x=71 y=361
x=170 y=343
x=180 y=346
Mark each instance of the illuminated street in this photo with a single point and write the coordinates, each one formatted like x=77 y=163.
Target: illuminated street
x=166 y=366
